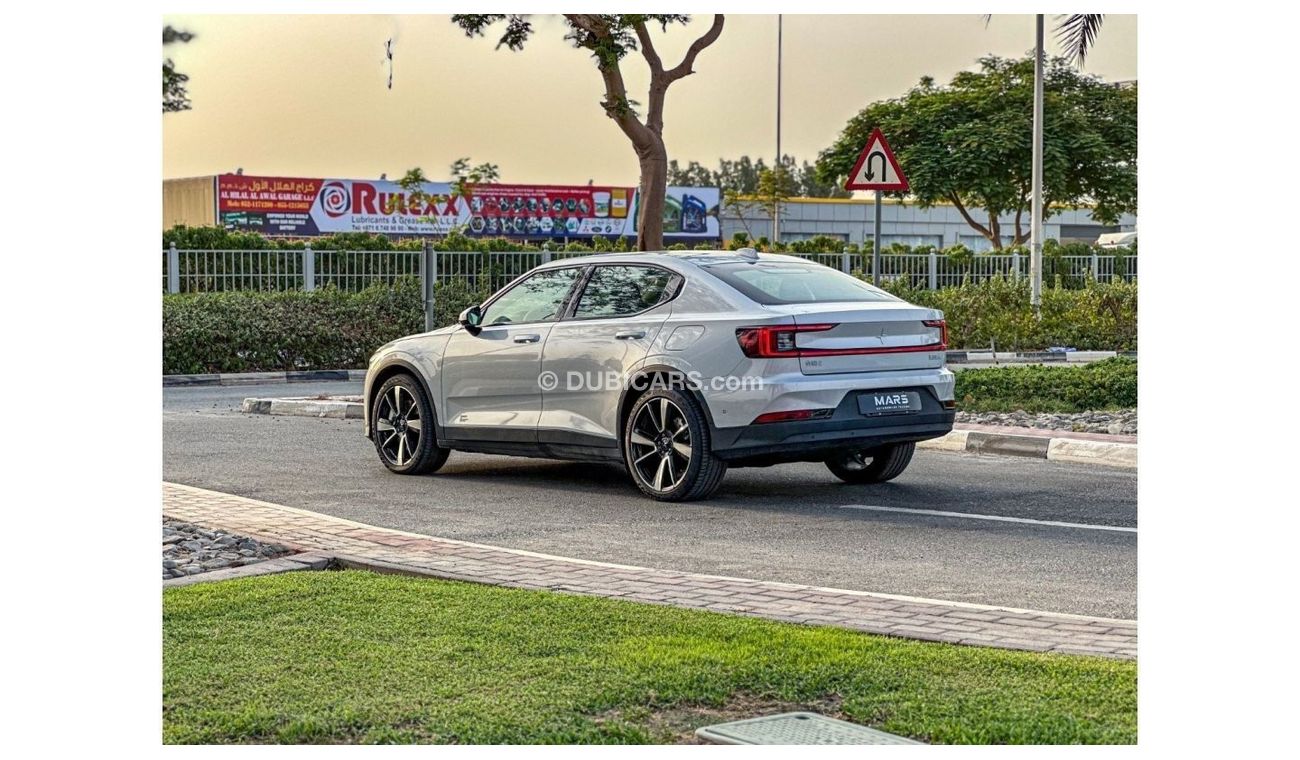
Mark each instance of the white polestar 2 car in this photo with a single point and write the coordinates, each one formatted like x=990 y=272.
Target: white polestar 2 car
x=679 y=365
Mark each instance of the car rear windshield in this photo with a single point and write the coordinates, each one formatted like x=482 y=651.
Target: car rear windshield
x=773 y=282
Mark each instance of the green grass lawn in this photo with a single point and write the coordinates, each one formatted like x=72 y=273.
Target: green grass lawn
x=359 y=657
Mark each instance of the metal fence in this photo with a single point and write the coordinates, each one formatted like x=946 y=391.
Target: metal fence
x=201 y=271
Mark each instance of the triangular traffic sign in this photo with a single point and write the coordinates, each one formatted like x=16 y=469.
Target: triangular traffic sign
x=876 y=167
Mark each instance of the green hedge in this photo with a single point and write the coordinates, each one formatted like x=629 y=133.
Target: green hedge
x=996 y=312
x=1108 y=384
x=253 y=331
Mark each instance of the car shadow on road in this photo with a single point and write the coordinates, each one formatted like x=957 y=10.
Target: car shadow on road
x=757 y=489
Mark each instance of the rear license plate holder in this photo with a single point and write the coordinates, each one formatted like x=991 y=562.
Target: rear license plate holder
x=883 y=403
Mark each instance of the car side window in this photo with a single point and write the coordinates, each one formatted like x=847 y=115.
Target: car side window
x=539 y=298
x=615 y=291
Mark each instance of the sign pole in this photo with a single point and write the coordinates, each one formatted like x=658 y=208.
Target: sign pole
x=875 y=248
x=877 y=169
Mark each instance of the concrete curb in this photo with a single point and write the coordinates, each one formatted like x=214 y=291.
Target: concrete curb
x=1033 y=357
x=1062 y=449
x=261 y=378
x=303 y=407
x=288 y=564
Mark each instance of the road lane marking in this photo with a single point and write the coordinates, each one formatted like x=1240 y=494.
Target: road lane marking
x=994 y=518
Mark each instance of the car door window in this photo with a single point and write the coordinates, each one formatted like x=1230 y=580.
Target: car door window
x=539 y=298
x=615 y=291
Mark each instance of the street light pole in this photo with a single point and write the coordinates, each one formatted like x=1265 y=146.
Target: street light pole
x=1036 y=207
x=776 y=205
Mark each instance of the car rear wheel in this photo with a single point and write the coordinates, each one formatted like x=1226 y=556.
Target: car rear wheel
x=876 y=465
x=402 y=428
x=666 y=448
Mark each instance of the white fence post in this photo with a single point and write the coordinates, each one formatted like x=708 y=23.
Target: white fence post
x=308 y=268
x=1015 y=265
x=173 y=270
x=934 y=269
x=1096 y=274
x=428 y=276
x=845 y=266
x=546 y=252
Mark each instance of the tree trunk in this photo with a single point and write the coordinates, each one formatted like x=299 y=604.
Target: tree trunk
x=653 y=189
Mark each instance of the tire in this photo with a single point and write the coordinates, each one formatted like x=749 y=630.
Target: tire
x=405 y=440
x=667 y=450
x=876 y=465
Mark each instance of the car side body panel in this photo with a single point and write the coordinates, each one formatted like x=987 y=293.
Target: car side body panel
x=487 y=395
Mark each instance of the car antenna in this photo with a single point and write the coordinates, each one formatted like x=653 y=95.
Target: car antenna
x=748 y=253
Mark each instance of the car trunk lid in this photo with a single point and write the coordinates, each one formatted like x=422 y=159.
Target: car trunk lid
x=866 y=336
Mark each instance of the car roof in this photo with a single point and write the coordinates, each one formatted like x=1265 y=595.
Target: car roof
x=699 y=258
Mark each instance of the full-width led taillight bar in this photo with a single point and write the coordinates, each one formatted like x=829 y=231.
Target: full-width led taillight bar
x=778 y=342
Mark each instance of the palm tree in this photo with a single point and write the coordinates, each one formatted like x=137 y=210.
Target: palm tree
x=1077 y=33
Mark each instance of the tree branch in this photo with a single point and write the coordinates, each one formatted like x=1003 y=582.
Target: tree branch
x=616 y=103
x=688 y=61
x=648 y=48
x=961 y=209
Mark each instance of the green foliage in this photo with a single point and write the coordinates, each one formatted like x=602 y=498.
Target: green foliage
x=959 y=254
x=997 y=312
x=742 y=177
x=358 y=657
x=1107 y=384
x=817 y=244
x=175 y=96
x=252 y=331
x=216 y=238
x=969 y=143
x=219 y=239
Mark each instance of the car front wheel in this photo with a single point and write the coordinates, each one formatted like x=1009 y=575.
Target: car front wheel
x=666 y=448
x=876 y=465
x=402 y=428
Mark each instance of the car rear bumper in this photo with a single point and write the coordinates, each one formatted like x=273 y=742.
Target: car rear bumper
x=813 y=440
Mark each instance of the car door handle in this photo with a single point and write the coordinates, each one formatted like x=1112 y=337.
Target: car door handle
x=630 y=335
x=527 y=338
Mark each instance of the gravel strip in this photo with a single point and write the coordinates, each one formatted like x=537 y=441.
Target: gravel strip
x=1122 y=422
x=189 y=550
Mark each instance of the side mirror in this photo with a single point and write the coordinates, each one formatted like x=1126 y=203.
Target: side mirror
x=471 y=319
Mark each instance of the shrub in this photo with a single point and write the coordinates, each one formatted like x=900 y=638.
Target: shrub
x=1108 y=384
x=253 y=331
x=996 y=313
x=959 y=254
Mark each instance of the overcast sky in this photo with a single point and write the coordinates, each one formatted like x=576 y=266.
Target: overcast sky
x=306 y=95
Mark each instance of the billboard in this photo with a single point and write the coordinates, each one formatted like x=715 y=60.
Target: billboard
x=305 y=207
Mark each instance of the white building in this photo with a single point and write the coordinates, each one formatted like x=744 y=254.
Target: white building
x=852 y=220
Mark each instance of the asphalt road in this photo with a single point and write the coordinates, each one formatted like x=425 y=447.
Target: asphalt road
x=795 y=523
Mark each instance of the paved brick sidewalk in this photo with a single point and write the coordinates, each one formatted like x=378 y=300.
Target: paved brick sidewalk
x=393 y=550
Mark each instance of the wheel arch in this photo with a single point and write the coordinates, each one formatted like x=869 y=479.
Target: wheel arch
x=399 y=367
x=642 y=380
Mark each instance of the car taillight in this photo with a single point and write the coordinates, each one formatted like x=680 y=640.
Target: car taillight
x=774 y=342
x=943 y=331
